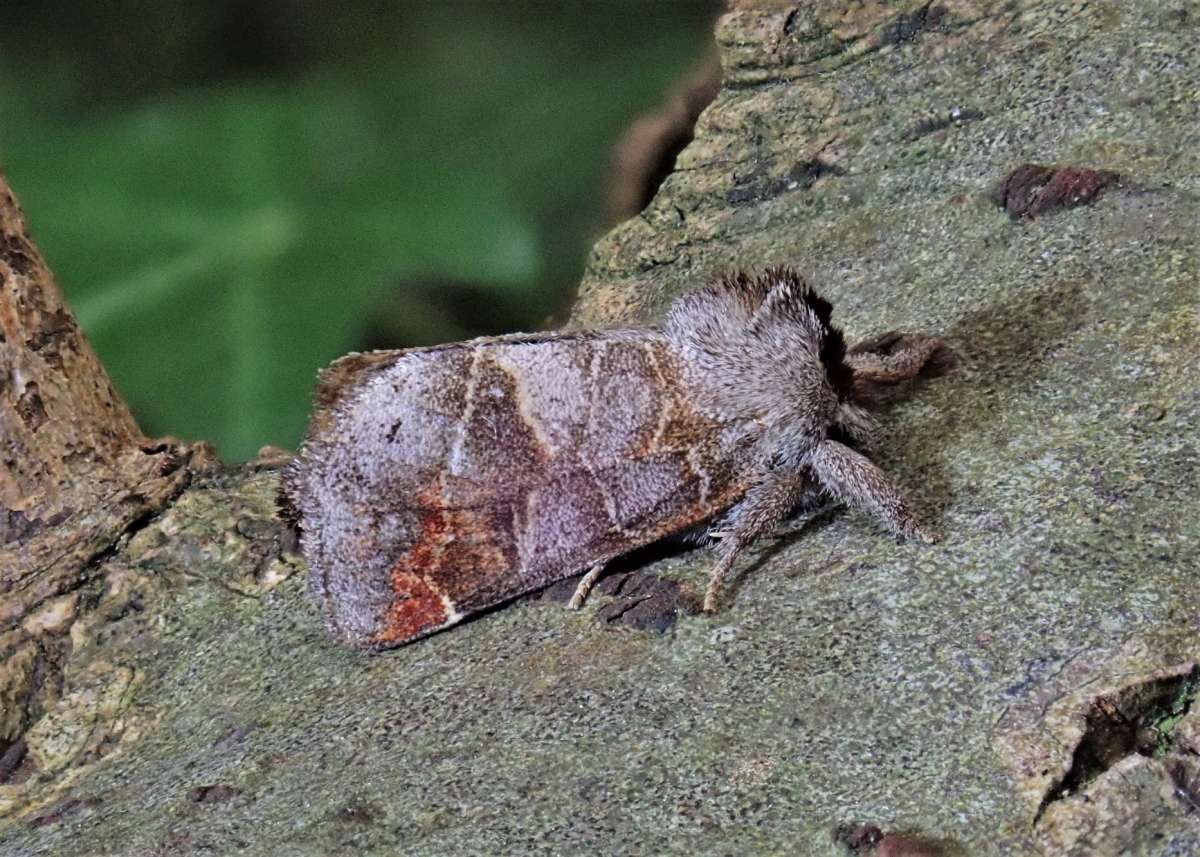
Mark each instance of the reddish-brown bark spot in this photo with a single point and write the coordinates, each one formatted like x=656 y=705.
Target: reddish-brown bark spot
x=218 y=793
x=1032 y=190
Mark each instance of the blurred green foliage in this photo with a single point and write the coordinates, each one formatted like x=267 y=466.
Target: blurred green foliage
x=233 y=194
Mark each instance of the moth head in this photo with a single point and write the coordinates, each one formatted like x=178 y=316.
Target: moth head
x=765 y=347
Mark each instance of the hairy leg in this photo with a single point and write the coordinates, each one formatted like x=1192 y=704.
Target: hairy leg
x=892 y=357
x=762 y=509
x=854 y=479
x=585 y=585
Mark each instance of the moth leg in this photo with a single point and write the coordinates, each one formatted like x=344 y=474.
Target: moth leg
x=854 y=479
x=763 y=509
x=892 y=357
x=585 y=585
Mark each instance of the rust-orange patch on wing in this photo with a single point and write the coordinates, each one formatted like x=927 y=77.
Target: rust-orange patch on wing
x=456 y=552
x=417 y=609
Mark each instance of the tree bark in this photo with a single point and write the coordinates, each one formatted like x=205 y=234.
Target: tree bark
x=1027 y=686
x=76 y=475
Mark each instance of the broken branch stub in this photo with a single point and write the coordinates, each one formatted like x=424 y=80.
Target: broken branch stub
x=75 y=471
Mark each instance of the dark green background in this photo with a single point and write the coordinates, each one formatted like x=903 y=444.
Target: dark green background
x=233 y=194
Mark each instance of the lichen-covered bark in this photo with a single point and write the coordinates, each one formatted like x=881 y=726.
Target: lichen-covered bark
x=1026 y=687
x=70 y=444
x=75 y=474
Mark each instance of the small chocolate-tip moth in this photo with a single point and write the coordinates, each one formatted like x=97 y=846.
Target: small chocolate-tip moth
x=436 y=482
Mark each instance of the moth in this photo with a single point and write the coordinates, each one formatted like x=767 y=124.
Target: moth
x=436 y=482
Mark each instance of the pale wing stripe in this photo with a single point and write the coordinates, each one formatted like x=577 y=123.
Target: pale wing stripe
x=668 y=398
x=460 y=439
x=701 y=472
x=524 y=404
x=599 y=351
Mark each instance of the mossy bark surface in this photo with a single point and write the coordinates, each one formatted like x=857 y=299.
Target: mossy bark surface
x=1024 y=687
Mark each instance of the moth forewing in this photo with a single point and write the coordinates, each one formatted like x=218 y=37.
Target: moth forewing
x=458 y=477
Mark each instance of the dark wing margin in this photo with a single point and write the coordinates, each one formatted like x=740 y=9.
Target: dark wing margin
x=334 y=384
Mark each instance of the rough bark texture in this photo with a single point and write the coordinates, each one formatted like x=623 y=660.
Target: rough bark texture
x=76 y=474
x=1026 y=687
x=72 y=454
